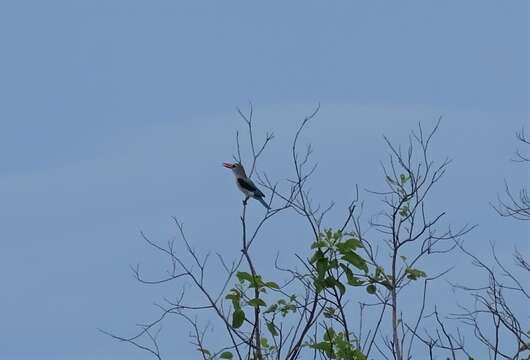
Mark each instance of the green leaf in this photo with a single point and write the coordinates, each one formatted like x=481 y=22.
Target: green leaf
x=355 y=281
x=271 y=309
x=316 y=256
x=319 y=285
x=323 y=346
x=231 y=296
x=289 y=307
x=257 y=283
x=264 y=342
x=329 y=335
x=352 y=280
x=329 y=312
x=238 y=317
x=322 y=266
x=205 y=352
x=272 y=328
x=341 y=287
x=371 y=289
x=333 y=264
x=414 y=274
x=235 y=296
x=272 y=285
x=355 y=260
x=244 y=276
x=227 y=355
x=319 y=244
x=350 y=244
x=379 y=271
x=256 y=302
x=404 y=211
x=330 y=282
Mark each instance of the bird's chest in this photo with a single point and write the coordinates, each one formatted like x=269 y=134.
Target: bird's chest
x=243 y=190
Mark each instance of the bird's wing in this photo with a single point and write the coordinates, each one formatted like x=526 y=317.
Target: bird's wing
x=247 y=184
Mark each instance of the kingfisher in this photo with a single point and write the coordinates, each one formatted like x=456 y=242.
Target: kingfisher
x=245 y=185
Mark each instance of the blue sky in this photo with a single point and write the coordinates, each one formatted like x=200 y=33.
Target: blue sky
x=116 y=115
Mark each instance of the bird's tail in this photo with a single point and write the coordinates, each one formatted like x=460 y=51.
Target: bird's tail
x=263 y=202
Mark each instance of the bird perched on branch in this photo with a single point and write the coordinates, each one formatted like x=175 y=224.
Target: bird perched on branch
x=245 y=185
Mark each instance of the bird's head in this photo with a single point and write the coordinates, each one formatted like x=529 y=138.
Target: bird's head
x=237 y=168
x=230 y=165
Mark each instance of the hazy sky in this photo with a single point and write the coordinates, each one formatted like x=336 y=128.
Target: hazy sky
x=117 y=115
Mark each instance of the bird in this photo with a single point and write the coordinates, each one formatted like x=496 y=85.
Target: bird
x=245 y=185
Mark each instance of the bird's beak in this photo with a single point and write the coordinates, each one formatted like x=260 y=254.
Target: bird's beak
x=228 y=165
